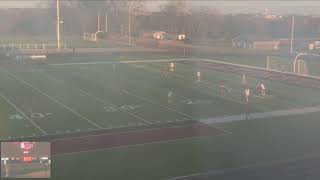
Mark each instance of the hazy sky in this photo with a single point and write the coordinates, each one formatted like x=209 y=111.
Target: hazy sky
x=278 y=7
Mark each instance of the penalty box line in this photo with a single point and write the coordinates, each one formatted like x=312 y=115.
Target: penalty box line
x=53 y=99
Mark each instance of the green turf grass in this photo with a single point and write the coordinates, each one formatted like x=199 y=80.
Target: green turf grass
x=253 y=141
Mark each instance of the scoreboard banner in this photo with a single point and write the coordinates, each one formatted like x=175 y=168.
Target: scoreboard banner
x=24 y=159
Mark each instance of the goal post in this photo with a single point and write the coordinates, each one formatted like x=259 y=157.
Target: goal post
x=278 y=63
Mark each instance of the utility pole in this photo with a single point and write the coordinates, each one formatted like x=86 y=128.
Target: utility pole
x=292 y=28
x=58 y=25
x=98 y=20
x=106 y=20
x=129 y=25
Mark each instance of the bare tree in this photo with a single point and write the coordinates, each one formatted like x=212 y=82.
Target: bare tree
x=175 y=15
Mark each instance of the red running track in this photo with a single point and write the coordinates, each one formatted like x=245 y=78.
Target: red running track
x=122 y=139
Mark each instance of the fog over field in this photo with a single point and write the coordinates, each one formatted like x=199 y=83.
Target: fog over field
x=277 y=7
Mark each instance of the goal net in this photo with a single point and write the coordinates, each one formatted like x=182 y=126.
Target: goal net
x=279 y=63
x=302 y=68
x=286 y=65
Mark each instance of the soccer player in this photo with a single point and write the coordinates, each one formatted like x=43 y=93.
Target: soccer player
x=244 y=81
x=222 y=89
x=261 y=89
x=172 y=66
x=170 y=97
x=198 y=76
x=247 y=94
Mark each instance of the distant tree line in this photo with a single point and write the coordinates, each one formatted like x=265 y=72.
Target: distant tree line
x=174 y=17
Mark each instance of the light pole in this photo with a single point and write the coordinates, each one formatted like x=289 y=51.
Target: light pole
x=58 y=26
x=129 y=25
x=98 y=20
x=106 y=20
x=292 y=27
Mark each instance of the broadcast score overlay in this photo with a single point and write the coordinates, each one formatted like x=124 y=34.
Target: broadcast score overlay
x=25 y=160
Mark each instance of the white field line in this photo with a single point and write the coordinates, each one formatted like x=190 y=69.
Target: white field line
x=206 y=85
x=262 y=115
x=258 y=68
x=125 y=132
x=137 y=145
x=209 y=86
x=53 y=99
x=149 y=68
x=23 y=114
x=225 y=131
x=98 y=99
x=152 y=102
x=117 y=62
x=232 y=118
x=179 y=95
x=93 y=130
x=208 y=60
x=126 y=146
x=253 y=165
x=104 y=102
x=178 y=75
x=193 y=60
x=171 y=109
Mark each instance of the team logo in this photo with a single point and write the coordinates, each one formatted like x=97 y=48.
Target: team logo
x=26 y=147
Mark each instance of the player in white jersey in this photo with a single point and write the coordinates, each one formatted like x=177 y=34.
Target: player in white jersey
x=172 y=67
x=244 y=81
x=170 y=97
x=222 y=88
x=247 y=94
x=198 y=76
x=262 y=89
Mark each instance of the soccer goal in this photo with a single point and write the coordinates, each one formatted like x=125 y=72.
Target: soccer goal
x=278 y=63
x=302 y=68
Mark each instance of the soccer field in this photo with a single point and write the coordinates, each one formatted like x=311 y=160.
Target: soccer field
x=66 y=97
